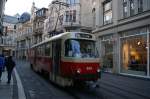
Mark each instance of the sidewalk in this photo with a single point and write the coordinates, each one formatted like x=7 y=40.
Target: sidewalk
x=6 y=90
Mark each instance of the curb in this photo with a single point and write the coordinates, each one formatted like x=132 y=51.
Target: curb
x=21 y=93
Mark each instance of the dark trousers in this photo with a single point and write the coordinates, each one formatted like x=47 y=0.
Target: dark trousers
x=9 y=75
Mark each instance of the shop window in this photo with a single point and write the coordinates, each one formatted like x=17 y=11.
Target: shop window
x=107 y=55
x=134 y=55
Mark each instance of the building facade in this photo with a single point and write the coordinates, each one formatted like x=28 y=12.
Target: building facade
x=123 y=34
x=9 y=32
x=2 y=7
x=78 y=16
x=38 y=24
x=69 y=15
x=24 y=36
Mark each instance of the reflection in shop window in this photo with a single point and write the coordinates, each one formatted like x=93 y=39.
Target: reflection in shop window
x=134 y=54
x=107 y=55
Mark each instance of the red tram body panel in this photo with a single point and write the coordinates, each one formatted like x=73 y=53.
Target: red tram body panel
x=84 y=71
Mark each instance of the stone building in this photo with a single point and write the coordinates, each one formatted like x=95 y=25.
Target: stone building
x=9 y=32
x=123 y=34
x=69 y=15
x=37 y=18
x=24 y=36
x=2 y=7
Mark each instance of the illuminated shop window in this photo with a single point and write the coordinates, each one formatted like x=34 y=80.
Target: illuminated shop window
x=134 y=55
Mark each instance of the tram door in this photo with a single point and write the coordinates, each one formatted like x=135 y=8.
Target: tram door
x=56 y=55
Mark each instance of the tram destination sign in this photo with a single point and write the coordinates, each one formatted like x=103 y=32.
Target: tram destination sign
x=79 y=35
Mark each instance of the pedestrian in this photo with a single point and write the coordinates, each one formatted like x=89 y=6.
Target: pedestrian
x=2 y=65
x=10 y=64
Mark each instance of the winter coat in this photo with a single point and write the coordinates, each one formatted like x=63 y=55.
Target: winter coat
x=10 y=64
x=2 y=63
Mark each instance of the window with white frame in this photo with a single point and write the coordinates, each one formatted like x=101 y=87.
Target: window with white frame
x=132 y=7
x=67 y=16
x=74 y=16
x=72 y=1
x=94 y=17
x=71 y=16
x=125 y=8
x=107 y=12
x=140 y=6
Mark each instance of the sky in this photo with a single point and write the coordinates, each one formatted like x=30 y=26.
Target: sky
x=13 y=7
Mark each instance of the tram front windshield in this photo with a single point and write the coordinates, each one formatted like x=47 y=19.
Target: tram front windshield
x=80 y=48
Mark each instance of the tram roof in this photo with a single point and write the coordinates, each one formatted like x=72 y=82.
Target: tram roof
x=57 y=37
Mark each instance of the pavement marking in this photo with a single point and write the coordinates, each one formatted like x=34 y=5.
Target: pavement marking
x=21 y=93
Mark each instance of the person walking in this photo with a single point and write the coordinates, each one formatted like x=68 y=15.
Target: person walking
x=2 y=65
x=10 y=64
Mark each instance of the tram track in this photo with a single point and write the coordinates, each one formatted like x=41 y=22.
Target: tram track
x=36 y=86
x=66 y=90
x=77 y=92
x=121 y=91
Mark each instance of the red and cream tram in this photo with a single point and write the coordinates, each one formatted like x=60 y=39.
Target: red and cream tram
x=67 y=58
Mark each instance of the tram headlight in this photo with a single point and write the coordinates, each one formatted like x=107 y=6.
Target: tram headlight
x=79 y=71
x=98 y=70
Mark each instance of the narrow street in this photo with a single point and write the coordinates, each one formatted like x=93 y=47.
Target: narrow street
x=111 y=86
x=101 y=47
x=38 y=87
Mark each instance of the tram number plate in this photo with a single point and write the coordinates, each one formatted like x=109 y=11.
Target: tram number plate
x=88 y=68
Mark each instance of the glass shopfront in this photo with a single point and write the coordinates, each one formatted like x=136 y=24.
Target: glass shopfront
x=134 y=52
x=107 y=53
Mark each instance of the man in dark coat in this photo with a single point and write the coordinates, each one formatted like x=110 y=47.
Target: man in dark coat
x=10 y=64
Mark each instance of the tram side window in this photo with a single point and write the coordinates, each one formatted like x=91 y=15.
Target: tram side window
x=42 y=50
x=47 y=50
x=32 y=53
x=68 y=48
x=38 y=51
